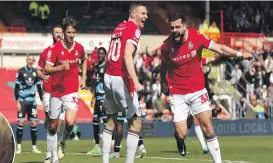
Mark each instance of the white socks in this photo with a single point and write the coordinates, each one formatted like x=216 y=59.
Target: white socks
x=52 y=146
x=132 y=144
x=200 y=136
x=214 y=148
x=106 y=144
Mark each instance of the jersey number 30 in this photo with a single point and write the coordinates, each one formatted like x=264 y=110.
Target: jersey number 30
x=114 y=52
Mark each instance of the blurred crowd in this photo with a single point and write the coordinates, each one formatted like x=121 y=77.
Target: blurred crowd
x=254 y=79
x=248 y=16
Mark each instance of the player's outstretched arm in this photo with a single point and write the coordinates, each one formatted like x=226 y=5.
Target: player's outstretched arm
x=229 y=52
x=130 y=49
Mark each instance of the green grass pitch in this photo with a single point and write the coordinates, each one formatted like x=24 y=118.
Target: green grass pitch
x=252 y=149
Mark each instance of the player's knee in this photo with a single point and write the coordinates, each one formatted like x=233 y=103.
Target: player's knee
x=136 y=124
x=196 y=122
x=95 y=119
x=21 y=123
x=182 y=134
x=53 y=127
x=110 y=125
x=207 y=128
x=33 y=124
x=70 y=123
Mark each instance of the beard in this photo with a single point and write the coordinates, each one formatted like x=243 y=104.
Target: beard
x=178 y=37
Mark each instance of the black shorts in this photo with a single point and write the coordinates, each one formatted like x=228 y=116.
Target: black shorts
x=29 y=108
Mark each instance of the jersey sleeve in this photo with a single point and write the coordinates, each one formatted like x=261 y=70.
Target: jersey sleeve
x=133 y=35
x=51 y=57
x=164 y=51
x=42 y=60
x=83 y=55
x=204 y=41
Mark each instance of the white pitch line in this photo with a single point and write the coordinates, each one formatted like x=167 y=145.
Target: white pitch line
x=164 y=158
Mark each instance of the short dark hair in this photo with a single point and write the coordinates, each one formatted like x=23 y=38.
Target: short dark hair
x=103 y=49
x=134 y=5
x=55 y=26
x=177 y=16
x=68 y=21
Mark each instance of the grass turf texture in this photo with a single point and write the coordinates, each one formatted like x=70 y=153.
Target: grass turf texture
x=252 y=149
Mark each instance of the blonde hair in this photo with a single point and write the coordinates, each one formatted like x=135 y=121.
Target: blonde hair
x=7 y=142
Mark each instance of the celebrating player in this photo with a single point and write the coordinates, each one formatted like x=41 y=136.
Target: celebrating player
x=121 y=82
x=63 y=63
x=26 y=81
x=181 y=62
x=99 y=110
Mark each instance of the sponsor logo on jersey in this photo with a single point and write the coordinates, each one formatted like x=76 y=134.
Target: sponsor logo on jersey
x=190 y=45
x=192 y=54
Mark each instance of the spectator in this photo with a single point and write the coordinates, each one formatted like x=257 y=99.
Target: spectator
x=214 y=32
x=251 y=79
x=204 y=27
x=236 y=74
x=258 y=106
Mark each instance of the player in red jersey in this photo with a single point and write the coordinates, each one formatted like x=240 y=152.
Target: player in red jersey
x=57 y=35
x=183 y=78
x=63 y=63
x=121 y=82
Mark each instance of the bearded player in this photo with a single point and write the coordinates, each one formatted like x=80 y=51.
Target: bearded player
x=183 y=78
x=121 y=81
x=63 y=63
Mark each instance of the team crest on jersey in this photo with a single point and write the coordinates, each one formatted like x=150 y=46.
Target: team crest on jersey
x=76 y=53
x=62 y=53
x=25 y=74
x=34 y=74
x=190 y=45
x=137 y=33
x=172 y=50
x=101 y=70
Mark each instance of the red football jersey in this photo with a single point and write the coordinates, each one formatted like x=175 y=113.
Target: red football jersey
x=125 y=32
x=66 y=81
x=185 y=74
x=41 y=65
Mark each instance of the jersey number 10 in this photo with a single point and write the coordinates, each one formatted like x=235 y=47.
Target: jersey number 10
x=114 y=52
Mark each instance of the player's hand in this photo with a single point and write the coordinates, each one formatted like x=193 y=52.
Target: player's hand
x=217 y=56
x=138 y=86
x=164 y=88
x=45 y=78
x=65 y=65
x=247 y=56
x=18 y=106
x=83 y=84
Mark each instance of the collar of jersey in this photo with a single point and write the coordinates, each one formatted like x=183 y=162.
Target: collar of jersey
x=27 y=69
x=72 y=48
